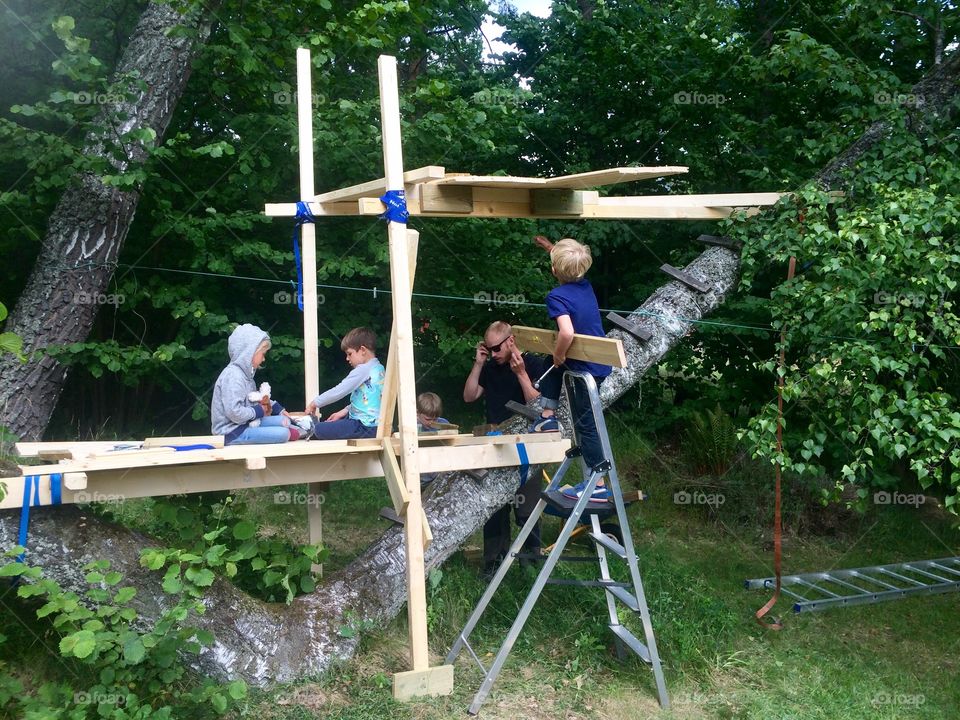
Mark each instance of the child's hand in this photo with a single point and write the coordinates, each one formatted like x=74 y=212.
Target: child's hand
x=559 y=359
x=267 y=406
x=311 y=408
x=543 y=242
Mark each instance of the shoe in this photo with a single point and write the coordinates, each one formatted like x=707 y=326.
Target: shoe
x=545 y=424
x=601 y=493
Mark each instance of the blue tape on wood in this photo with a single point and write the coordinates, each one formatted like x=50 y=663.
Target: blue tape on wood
x=396 y=203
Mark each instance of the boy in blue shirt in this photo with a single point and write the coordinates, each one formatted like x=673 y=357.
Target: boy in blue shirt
x=364 y=385
x=573 y=305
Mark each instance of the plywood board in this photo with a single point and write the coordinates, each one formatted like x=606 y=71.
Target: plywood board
x=598 y=178
x=379 y=187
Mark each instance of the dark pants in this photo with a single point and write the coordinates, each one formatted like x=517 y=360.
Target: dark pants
x=346 y=429
x=585 y=429
x=496 y=532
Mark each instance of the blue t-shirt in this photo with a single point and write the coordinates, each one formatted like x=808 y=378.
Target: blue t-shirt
x=578 y=300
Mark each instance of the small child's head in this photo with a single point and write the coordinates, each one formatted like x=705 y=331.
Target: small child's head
x=570 y=260
x=359 y=345
x=429 y=407
x=248 y=346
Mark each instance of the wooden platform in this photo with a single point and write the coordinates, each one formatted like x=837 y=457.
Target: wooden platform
x=93 y=472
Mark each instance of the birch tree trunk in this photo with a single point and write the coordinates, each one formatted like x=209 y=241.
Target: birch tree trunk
x=90 y=222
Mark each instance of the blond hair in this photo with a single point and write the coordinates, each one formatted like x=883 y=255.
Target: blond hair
x=570 y=260
x=497 y=327
x=429 y=404
x=359 y=337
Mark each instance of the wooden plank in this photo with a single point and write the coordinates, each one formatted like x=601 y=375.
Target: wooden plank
x=379 y=187
x=596 y=178
x=388 y=396
x=720 y=241
x=325 y=210
x=419 y=683
x=445 y=198
x=685 y=278
x=556 y=202
x=65 y=448
x=160 y=480
x=711 y=200
x=624 y=324
x=395 y=484
x=493 y=181
x=406 y=379
x=606 y=351
x=214 y=440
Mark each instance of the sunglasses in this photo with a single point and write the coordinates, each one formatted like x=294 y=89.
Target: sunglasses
x=495 y=348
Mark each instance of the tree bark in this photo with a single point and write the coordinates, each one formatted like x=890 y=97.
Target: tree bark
x=90 y=222
x=266 y=643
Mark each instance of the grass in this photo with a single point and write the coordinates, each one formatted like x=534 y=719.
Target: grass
x=890 y=660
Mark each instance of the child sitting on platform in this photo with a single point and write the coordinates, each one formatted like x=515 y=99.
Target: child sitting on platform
x=574 y=306
x=364 y=385
x=429 y=410
x=233 y=414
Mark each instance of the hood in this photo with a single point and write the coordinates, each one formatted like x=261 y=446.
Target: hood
x=243 y=344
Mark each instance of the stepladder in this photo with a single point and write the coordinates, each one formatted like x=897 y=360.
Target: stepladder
x=591 y=448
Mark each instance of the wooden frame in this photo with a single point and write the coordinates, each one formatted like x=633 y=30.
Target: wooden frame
x=606 y=351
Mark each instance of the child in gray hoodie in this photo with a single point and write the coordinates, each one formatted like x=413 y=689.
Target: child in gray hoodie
x=231 y=411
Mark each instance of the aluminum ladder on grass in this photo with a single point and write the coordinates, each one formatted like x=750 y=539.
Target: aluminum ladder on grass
x=862 y=586
x=629 y=593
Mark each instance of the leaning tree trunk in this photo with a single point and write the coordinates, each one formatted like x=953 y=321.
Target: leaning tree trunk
x=265 y=643
x=262 y=642
x=90 y=222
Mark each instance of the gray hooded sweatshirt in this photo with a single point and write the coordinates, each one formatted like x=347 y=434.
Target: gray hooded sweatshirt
x=230 y=410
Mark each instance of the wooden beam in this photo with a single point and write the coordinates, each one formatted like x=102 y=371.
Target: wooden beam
x=378 y=187
x=406 y=380
x=445 y=199
x=624 y=324
x=394 y=478
x=685 y=278
x=388 y=396
x=597 y=178
x=556 y=202
x=606 y=351
x=214 y=440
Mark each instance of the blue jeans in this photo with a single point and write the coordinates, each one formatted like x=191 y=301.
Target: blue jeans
x=585 y=429
x=272 y=429
x=346 y=429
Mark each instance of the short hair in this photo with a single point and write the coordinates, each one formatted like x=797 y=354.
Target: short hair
x=358 y=337
x=570 y=260
x=499 y=326
x=429 y=404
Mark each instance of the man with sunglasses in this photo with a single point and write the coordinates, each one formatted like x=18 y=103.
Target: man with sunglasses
x=500 y=374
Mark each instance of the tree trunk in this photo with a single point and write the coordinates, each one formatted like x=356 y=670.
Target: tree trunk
x=265 y=643
x=90 y=222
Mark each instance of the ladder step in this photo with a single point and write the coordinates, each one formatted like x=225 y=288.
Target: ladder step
x=607 y=584
x=623 y=596
x=630 y=640
x=609 y=544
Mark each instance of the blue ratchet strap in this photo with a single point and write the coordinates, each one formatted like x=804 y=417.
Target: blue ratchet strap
x=303 y=216
x=32 y=482
x=524 y=463
x=396 y=203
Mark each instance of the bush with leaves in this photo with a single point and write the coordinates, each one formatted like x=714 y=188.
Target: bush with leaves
x=119 y=671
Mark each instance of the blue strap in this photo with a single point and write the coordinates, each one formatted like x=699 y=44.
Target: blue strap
x=32 y=482
x=303 y=216
x=524 y=463
x=396 y=203
x=56 y=483
x=182 y=448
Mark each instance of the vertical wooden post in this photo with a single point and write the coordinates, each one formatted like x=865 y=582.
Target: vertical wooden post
x=420 y=680
x=308 y=256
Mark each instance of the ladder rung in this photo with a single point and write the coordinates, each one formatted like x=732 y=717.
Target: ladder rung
x=903 y=578
x=817 y=588
x=870 y=578
x=920 y=571
x=630 y=640
x=608 y=544
x=623 y=596
x=941 y=567
x=586 y=583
